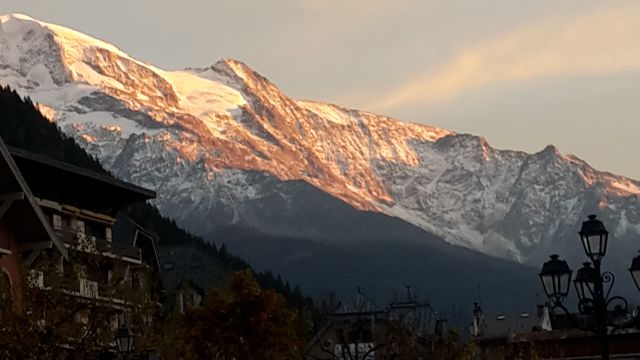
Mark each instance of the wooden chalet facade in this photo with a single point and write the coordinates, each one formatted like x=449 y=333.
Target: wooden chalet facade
x=24 y=230
x=58 y=233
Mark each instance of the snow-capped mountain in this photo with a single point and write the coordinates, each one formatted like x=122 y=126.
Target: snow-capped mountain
x=218 y=142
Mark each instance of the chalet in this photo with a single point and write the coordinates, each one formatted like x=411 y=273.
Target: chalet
x=187 y=294
x=80 y=207
x=492 y=333
x=59 y=225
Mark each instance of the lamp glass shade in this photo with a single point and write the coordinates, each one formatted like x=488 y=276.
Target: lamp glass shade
x=594 y=238
x=635 y=271
x=556 y=278
x=585 y=282
x=548 y=285
x=124 y=340
x=636 y=278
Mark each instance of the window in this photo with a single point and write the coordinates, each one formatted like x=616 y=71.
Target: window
x=97 y=230
x=66 y=222
x=56 y=221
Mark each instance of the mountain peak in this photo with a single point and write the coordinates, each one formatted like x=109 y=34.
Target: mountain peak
x=74 y=42
x=241 y=72
x=550 y=151
x=17 y=23
x=206 y=140
x=18 y=16
x=235 y=63
x=236 y=66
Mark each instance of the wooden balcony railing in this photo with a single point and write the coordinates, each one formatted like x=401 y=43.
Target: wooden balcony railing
x=88 y=288
x=90 y=244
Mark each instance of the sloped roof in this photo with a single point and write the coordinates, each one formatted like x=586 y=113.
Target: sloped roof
x=186 y=283
x=508 y=325
x=358 y=304
x=24 y=216
x=73 y=185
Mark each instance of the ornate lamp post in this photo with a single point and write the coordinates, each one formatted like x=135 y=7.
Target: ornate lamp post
x=594 y=238
x=124 y=341
x=556 y=278
x=589 y=283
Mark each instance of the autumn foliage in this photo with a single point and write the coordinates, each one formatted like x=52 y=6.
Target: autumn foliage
x=240 y=321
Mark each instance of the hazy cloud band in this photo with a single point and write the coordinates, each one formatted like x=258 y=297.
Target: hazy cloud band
x=599 y=42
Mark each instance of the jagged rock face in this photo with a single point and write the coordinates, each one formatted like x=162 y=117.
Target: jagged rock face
x=216 y=142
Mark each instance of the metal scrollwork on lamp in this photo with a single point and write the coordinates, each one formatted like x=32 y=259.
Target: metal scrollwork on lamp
x=609 y=312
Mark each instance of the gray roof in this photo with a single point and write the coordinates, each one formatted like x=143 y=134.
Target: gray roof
x=358 y=304
x=506 y=325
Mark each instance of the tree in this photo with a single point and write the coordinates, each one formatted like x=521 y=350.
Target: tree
x=452 y=346
x=54 y=322
x=241 y=321
x=524 y=350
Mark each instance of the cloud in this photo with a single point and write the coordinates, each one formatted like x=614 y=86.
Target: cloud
x=593 y=43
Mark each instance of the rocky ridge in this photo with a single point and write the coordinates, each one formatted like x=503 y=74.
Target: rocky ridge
x=216 y=142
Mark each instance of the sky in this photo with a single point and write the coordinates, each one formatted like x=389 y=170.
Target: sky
x=521 y=73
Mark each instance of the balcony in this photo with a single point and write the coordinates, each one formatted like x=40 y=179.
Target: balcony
x=88 y=288
x=80 y=287
x=91 y=244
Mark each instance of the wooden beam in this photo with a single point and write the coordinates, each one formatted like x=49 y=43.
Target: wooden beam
x=7 y=159
x=32 y=257
x=12 y=196
x=8 y=199
x=4 y=207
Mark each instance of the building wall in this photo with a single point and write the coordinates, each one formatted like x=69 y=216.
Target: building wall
x=186 y=297
x=10 y=264
x=558 y=345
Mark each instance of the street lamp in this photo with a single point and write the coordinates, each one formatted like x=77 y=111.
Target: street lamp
x=585 y=282
x=594 y=238
x=589 y=283
x=556 y=278
x=124 y=340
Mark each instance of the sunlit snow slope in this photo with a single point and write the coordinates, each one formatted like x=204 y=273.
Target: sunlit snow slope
x=210 y=140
